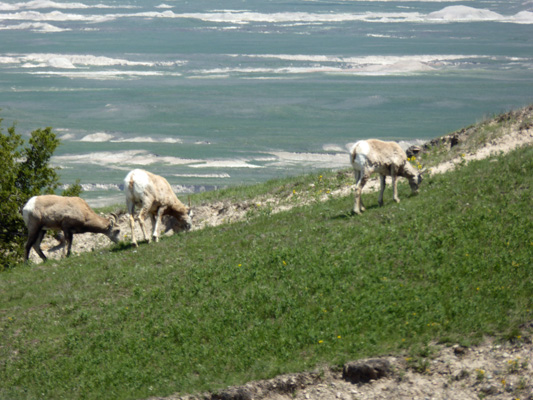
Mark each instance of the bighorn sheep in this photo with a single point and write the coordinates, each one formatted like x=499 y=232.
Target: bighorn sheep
x=153 y=194
x=385 y=158
x=69 y=214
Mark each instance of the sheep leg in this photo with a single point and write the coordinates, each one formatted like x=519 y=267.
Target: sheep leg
x=132 y=226
x=156 y=221
x=34 y=240
x=68 y=240
x=361 y=181
x=394 y=175
x=154 y=228
x=131 y=211
x=37 y=245
x=141 y=217
x=357 y=200
x=382 y=189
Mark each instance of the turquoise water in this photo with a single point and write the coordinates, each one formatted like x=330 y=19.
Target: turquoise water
x=211 y=95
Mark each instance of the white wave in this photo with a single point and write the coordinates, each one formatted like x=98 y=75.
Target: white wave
x=104 y=75
x=50 y=4
x=122 y=159
x=375 y=35
x=34 y=27
x=209 y=76
x=313 y=160
x=9 y=60
x=147 y=139
x=523 y=17
x=246 y=17
x=333 y=148
x=229 y=16
x=60 y=62
x=225 y=164
x=221 y=176
x=56 y=16
x=97 y=137
x=106 y=137
x=40 y=4
x=448 y=14
x=470 y=14
x=464 y=13
x=40 y=59
x=238 y=17
x=8 y=7
x=366 y=60
x=371 y=65
x=73 y=65
x=67 y=136
x=400 y=67
x=163 y=5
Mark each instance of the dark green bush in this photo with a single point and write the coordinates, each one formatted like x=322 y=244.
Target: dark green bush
x=25 y=172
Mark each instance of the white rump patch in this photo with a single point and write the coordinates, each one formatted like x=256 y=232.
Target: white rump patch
x=28 y=209
x=362 y=149
x=141 y=181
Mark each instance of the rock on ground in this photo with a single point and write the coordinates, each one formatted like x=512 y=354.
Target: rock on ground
x=489 y=371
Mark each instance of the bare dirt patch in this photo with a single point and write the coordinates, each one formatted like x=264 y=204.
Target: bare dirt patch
x=492 y=370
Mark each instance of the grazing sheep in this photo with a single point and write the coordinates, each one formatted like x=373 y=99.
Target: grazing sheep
x=385 y=158
x=154 y=196
x=69 y=214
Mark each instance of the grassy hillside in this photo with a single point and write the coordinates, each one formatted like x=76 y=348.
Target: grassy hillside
x=277 y=292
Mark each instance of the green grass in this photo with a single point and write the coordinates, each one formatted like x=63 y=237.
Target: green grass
x=277 y=293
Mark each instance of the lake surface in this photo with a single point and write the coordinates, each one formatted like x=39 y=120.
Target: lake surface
x=213 y=94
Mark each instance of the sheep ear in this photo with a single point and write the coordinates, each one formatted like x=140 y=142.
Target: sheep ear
x=423 y=171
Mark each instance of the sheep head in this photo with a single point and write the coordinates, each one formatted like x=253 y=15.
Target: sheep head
x=113 y=232
x=413 y=175
x=183 y=220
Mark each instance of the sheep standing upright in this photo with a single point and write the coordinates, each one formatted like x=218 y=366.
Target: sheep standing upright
x=69 y=214
x=154 y=196
x=385 y=158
